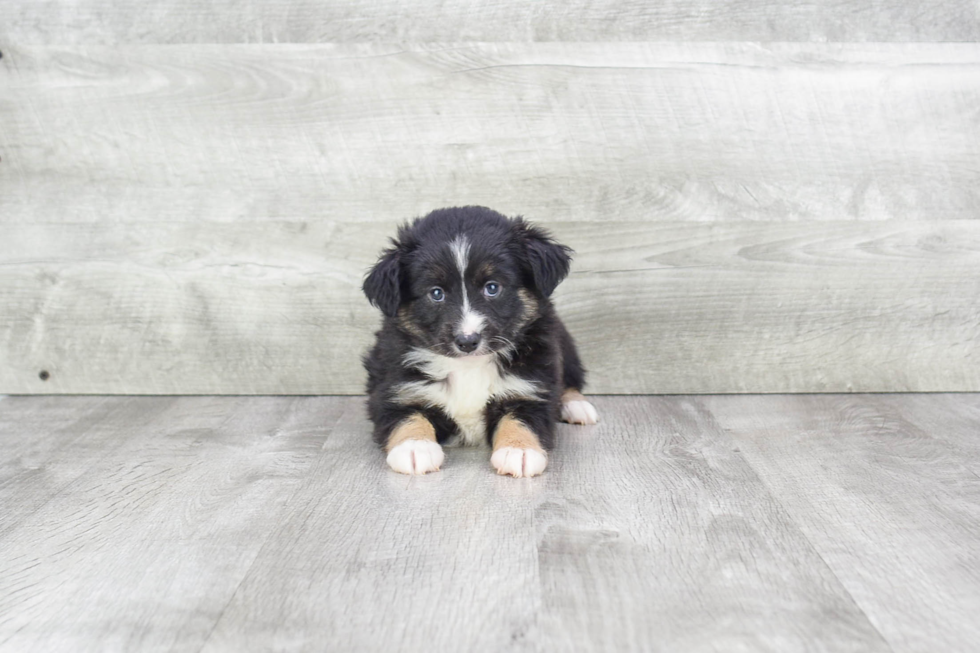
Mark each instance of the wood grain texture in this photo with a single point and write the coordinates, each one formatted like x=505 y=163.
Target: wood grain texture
x=367 y=559
x=656 y=535
x=49 y=443
x=950 y=418
x=234 y=21
x=556 y=131
x=656 y=307
x=143 y=550
x=721 y=523
x=196 y=219
x=763 y=523
x=894 y=511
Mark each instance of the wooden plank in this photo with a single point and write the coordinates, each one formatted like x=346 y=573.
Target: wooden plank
x=223 y=21
x=813 y=307
x=658 y=536
x=557 y=131
x=144 y=550
x=275 y=308
x=187 y=309
x=894 y=512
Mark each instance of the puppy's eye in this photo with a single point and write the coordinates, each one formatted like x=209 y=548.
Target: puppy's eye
x=492 y=289
x=437 y=294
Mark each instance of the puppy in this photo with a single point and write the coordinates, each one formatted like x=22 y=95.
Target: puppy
x=471 y=350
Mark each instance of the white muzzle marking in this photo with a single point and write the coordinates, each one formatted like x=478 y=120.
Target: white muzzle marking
x=471 y=323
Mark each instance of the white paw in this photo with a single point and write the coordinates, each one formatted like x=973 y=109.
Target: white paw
x=519 y=462
x=416 y=457
x=578 y=411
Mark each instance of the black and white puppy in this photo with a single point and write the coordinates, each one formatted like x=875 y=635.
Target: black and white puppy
x=471 y=350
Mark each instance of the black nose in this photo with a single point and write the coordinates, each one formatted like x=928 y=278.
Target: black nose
x=468 y=342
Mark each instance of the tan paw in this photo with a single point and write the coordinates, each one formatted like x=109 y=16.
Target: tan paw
x=519 y=462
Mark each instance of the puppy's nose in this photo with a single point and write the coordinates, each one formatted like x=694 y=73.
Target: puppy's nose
x=468 y=342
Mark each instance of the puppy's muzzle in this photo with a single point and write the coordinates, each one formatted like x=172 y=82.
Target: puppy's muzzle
x=468 y=342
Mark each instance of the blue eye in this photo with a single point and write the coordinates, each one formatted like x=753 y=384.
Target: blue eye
x=437 y=294
x=492 y=289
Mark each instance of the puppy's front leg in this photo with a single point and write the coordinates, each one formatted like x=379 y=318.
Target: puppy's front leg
x=517 y=450
x=412 y=446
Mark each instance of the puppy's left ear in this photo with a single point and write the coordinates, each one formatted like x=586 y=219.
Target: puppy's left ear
x=549 y=261
x=383 y=284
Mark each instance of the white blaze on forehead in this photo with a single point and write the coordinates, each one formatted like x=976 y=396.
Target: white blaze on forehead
x=460 y=247
x=472 y=322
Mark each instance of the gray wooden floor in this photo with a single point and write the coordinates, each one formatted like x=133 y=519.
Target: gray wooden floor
x=713 y=523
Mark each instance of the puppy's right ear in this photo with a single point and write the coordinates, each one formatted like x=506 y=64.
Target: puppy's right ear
x=383 y=284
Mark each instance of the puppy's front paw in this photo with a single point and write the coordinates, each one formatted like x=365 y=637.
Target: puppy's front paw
x=576 y=409
x=519 y=462
x=416 y=457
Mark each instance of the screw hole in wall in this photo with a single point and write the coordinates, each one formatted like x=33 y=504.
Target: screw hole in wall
x=44 y=375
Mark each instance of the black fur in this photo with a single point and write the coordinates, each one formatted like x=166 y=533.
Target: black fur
x=521 y=328
x=382 y=285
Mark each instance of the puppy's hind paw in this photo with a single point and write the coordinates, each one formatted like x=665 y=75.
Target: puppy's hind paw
x=576 y=409
x=416 y=457
x=519 y=462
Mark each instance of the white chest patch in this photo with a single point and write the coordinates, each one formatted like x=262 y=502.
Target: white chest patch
x=462 y=388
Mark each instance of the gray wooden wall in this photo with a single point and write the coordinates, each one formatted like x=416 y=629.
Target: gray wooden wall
x=764 y=197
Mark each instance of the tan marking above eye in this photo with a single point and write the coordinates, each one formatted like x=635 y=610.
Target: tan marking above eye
x=485 y=272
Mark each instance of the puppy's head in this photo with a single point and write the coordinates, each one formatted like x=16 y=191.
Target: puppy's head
x=466 y=281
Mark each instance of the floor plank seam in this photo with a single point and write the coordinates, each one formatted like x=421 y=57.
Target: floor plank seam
x=795 y=524
x=232 y=595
